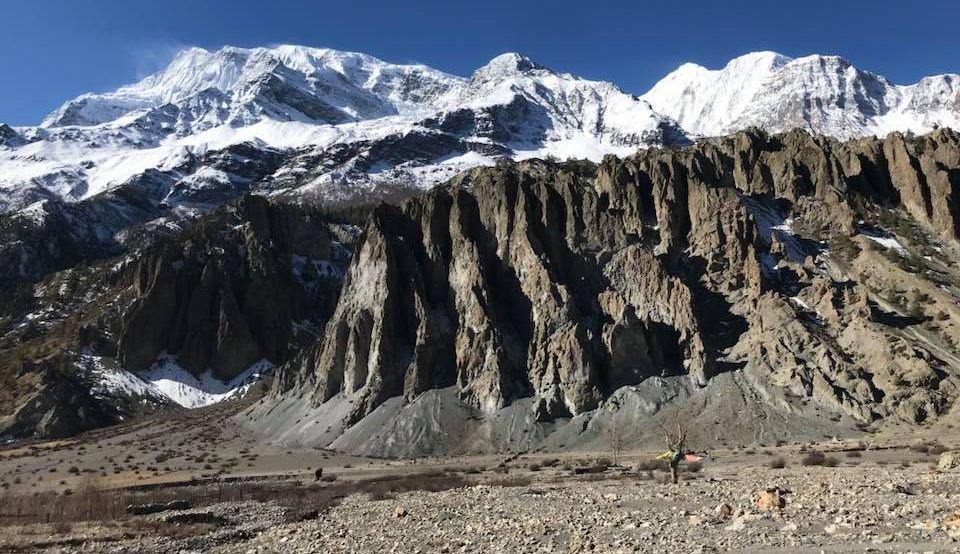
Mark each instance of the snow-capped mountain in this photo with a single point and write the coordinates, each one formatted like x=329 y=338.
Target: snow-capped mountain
x=342 y=126
x=241 y=86
x=822 y=94
x=349 y=122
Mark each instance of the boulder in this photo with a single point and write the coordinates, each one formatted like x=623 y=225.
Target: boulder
x=949 y=461
x=771 y=500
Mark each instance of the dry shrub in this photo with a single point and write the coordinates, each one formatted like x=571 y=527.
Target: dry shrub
x=813 y=458
x=508 y=482
x=653 y=465
x=380 y=494
x=777 y=463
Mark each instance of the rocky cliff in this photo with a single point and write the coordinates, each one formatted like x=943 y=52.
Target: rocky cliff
x=248 y=284
x=816 y=277
x=770 y=286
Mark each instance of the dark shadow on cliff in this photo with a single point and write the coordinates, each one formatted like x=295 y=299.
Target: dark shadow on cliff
x=720 y=328
x=893 y=319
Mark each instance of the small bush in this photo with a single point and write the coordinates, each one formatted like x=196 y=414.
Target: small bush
x=380 y=494
x=694 y=467
x=653 y=465
x=854 y=454
x=534 y=467
x=830 y=461
x=777 y=463
x=508 y=482
x=329 y=478
x=813 y=458
x=936 y=449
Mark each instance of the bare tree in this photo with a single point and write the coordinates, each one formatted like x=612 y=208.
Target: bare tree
x=616 y=442
x=676 y=439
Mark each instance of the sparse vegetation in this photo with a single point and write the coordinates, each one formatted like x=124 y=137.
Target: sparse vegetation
x=653 y=465
x=813 y=458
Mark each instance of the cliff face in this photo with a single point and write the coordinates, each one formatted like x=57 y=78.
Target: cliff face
x=751 y=254
x=496 y=285
x=770 y=285
x=253 y=281
x=224 y=302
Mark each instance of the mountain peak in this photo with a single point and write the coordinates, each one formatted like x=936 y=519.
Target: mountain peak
x=823 y=60
x=510 y=63
x=762 y=57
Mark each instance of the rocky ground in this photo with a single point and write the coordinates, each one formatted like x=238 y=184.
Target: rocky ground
x=875 y=494
x=832 y=509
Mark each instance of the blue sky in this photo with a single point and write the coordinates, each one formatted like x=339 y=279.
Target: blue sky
x=52 y=50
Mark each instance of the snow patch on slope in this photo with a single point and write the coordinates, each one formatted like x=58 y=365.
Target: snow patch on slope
x=773 y=225
x=882 y=237
x=166 y=379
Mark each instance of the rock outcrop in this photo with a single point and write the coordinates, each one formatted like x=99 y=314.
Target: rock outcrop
x=562 y=283
x=771 y=286
x=253 y=281
x=224 y=304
